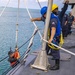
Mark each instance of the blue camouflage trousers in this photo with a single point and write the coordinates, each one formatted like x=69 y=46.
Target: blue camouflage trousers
x=54 y=53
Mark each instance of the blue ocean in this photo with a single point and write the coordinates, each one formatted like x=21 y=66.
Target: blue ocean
x=8 y=21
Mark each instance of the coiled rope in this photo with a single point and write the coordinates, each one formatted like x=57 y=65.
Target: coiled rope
x=39 y=3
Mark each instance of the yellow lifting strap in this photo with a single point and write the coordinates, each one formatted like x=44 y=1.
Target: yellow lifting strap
x=60 y=39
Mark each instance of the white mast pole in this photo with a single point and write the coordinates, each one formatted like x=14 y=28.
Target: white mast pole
x=41 y=61
x=47 y=23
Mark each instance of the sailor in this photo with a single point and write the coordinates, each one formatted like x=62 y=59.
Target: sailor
x=70 y=22
x=64 y=25
x=13 y=58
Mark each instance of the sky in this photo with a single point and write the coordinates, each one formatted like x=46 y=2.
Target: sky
x=33 y=4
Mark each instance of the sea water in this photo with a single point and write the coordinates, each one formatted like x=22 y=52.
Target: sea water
x=8 y=21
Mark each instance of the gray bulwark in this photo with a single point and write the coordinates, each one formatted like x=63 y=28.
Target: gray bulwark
x=67 y=67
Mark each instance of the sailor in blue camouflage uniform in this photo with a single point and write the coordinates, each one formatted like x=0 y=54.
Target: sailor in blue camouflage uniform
x=70 y=22
x=54 y=32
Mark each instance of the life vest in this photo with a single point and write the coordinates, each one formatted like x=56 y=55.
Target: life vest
x=58 y=34
x=58 y=28
x=16 y=55
x=13 y=58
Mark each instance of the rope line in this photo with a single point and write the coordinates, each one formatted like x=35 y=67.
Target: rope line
x=61 y=48
x=0 y=16
x=4 y=8
x=30 y=18
x=46 y=40
x=18 y=11
x=3 y=59
x=39 y=3
x=17 y=23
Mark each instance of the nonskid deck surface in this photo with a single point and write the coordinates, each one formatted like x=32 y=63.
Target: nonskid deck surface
x=67 y=67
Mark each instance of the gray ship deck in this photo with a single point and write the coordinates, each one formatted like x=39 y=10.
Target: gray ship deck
x=67 y=67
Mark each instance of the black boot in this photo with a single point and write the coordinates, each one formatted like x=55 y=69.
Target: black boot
x=56 y=66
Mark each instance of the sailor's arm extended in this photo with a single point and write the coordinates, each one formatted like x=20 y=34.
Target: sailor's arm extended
x=53 y=30
x=63 y=10
x=36 y=19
